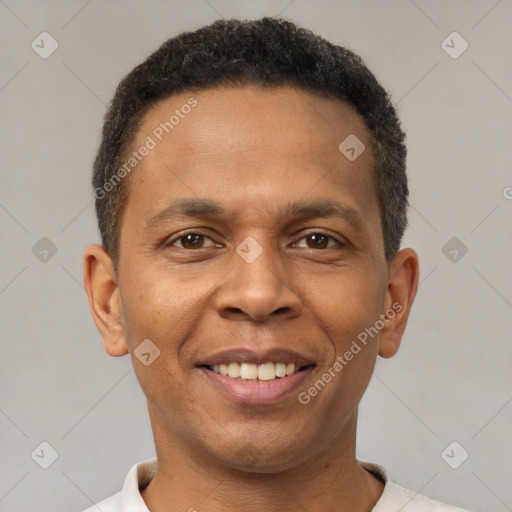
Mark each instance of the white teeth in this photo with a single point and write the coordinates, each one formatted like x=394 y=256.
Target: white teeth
x=250 y=371
x=266 y=371
x=234 y=370
x=280 y=369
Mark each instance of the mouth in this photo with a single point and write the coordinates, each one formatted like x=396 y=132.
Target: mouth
x=251 y=372
x=252 y=379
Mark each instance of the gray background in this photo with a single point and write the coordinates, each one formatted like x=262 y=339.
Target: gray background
x=451 y=380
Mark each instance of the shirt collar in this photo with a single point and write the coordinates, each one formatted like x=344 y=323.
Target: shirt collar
x=137 y=479
x=141 y=474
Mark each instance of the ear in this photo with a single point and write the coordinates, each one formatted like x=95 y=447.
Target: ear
x=402 y=286
x=104 y=299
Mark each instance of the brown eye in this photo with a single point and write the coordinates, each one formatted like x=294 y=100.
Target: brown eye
x=320 y=241
x=190 y=241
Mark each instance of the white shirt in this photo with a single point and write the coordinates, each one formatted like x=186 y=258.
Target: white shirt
x=393 y=499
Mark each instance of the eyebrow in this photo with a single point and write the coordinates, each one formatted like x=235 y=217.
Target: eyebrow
x=203 y=208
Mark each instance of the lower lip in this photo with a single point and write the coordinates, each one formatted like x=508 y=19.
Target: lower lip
x=260 y=392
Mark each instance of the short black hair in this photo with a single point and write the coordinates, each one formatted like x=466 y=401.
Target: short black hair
x=269 y=52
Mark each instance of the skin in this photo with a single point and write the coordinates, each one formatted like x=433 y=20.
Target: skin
x=254 y=150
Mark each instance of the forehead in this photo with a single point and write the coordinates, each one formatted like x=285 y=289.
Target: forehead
x=278 y=115
x=233 y=139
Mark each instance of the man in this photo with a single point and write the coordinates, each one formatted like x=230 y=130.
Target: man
x=251 y=197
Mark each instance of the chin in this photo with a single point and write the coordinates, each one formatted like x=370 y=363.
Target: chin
x=260 y=455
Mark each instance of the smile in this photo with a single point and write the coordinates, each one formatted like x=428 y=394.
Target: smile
x=256 y=384
x=254 y=372
x=252 y=377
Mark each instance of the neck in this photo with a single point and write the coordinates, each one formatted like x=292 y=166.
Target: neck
x=192 y=481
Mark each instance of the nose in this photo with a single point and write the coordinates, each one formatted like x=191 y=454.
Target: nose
x=257 y=290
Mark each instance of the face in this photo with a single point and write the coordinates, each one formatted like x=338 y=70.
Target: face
x=250 y=243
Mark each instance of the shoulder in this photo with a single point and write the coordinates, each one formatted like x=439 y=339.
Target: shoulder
x=129 y=498
x=396 y=498
x=112 y=504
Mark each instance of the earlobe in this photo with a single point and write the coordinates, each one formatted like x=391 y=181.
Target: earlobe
x=401 y=291
x=104 y=299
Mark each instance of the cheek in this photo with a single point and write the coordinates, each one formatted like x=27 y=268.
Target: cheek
x=157 y=317
x=350 y=306
x=346 y=315
x=153 y=302
x=163 y=307
x=148 y=313
x=354 y=310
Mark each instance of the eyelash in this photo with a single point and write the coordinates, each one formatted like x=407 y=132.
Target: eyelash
x=340 y=243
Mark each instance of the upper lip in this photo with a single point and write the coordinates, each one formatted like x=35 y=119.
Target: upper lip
x=243 y=355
